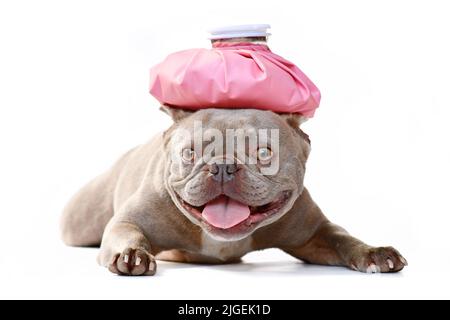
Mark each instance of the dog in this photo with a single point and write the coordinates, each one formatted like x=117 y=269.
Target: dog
x=163 y=201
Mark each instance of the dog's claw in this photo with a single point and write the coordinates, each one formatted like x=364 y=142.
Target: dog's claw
x=403 y=260
x=372 y=268
x=390 y=263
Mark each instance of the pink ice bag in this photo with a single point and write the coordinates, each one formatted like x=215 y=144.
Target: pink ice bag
x=233 y=75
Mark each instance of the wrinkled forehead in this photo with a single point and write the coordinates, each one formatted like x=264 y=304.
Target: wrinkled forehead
x=223 y=119
x=228 y=126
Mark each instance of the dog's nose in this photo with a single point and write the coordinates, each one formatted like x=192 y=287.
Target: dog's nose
x=223 y=171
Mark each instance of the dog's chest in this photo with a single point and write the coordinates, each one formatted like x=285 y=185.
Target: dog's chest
x=225 y=250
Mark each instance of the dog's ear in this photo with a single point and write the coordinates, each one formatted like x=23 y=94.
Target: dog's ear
x=295 y=120
x=177 y=114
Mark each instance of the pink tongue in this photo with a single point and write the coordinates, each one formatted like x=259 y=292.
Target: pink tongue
x=225 y=212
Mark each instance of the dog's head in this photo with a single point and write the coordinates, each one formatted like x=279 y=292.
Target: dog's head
x=232 y=171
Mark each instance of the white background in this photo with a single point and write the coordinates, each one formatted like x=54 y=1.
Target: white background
x=73 y=97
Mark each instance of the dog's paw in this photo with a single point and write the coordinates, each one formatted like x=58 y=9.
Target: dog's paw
x=375 y=260
x=132 y=262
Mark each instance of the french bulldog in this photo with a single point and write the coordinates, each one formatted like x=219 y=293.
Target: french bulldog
x=164 y=201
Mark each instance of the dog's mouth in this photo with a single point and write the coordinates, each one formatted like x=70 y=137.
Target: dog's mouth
x=226 y=214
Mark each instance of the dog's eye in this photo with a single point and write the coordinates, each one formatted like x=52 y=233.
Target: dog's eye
x=188 y=155
x=264 y=155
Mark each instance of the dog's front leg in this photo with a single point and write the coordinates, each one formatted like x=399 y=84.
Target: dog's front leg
x=332 y=245
x=126 y=251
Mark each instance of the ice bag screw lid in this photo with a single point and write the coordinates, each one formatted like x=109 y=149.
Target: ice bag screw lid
x=239 y=31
